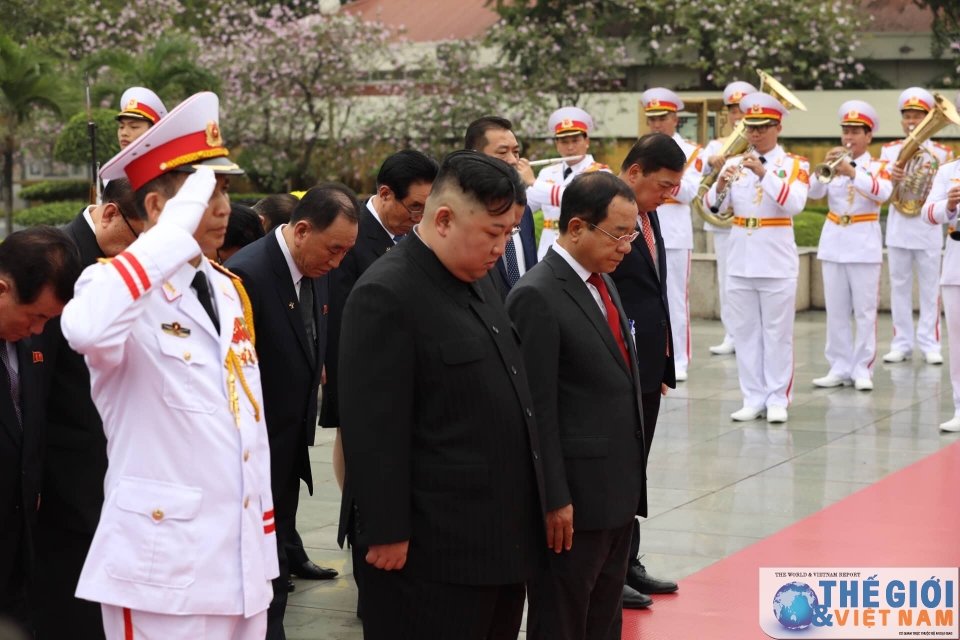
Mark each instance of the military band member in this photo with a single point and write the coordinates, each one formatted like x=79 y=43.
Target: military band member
x=140 y=109
x=721 y=235
x=186 y=544
x=909 y=242
x=770 y=187
x=851 y=248
x=661 y=107
x=571 y=128
x=942 y=207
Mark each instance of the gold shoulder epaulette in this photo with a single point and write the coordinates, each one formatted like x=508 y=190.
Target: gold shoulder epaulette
x=800 y=158
x=895 y=142
x=222 y=269
x=596 y=166
x=104 y=260
x=691 y=142
x=942 y=146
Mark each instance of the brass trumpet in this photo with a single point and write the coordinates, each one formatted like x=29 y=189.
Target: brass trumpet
x=827 y=171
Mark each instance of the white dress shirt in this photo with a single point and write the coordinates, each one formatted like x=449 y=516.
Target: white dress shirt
x=583 y=273
x=89 y=218
x=12 y=355
x=376 y=215
x=295 y=274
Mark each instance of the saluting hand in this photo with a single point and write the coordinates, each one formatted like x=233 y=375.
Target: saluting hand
x=560 y=528
x=388 y=557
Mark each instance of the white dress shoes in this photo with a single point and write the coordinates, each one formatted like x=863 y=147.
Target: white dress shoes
x=776 y=414
x=747 y=414
x=933 y=358
x=863 y=384
x=895 y=356
x=829 y=381
x=952 y=425
x=723 y=349
x=681 y=376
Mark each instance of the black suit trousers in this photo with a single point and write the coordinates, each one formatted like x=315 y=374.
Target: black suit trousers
x=398 y=606
x=579 y=596
x=651 y=410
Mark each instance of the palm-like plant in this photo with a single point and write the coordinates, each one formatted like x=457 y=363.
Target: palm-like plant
x=166 y=66
x=28 y=82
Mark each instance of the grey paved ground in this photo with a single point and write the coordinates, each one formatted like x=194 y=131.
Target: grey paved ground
x=716 y=486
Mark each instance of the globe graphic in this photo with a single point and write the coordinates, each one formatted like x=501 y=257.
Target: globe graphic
x=794 y=605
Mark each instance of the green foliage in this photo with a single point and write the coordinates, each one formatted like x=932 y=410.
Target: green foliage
x=56 y=190
x=807 y=227
x=54 y=213
x=73 y=143
x=248 y=199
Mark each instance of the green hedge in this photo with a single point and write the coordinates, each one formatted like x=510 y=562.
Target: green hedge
x=248 y=199
x=54 y=213
x=56 y=191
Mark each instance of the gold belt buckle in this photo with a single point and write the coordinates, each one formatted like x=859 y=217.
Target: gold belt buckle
x=844 y=220
x=752 y=223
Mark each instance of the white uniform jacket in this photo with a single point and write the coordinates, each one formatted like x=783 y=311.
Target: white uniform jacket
x=849 y=235
x=762 y=251
x=909 y=232
x=713 y=148
x=187 y=522
x=547 y=193
x=676 y=225
x=935 y=213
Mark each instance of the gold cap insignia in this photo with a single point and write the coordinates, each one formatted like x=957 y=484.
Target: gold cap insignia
x=213 y=135
x=654 y=103
x=133 y=104
x=853 y=114
x=737 y=95
x=567 y=123
x=756 y=108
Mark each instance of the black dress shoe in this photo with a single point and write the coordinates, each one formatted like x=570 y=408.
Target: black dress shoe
x=639 y=579
x=633 y=599
x=291 y=587
x=310 y=571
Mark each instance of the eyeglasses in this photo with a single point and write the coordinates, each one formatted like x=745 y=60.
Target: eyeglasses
x=759 y=128
x=414 y=213
x=515 y=231
x=628 y=238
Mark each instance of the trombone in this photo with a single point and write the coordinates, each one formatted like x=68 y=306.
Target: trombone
x=827 y=171
x=543 y=163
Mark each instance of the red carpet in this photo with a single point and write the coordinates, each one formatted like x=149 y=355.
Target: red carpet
x=909 y=519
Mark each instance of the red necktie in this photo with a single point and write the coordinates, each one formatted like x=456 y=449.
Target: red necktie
x=648 y=235
x=613 y=316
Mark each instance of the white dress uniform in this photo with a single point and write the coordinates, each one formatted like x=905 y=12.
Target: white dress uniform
x=721 y=235
x=762 y=267
x=186 y=545
x=546 y=193
x=909 y=241
x=935 y=213
x=851 y=253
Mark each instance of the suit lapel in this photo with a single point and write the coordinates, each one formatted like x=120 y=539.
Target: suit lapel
x=287 y=293
x=8 y=415
x=86 y=240
x=372 y=229
x=624 y=328
x=661 y=250
x=577 y=289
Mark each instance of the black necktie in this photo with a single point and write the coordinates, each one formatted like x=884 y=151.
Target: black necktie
x=566 y=172
x=306 y=310
x=13 y=379
x=398 y=238
x=200 y=285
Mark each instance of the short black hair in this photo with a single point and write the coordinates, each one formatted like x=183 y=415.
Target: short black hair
x=321 y=205
x=488 y=180
x=120 y=193
x=39 y=257
x=589 y=196
x=243 y=227
x=653 y=152
x=406 y=168
x=476 y=137
x=166 y=184
x=276 y=209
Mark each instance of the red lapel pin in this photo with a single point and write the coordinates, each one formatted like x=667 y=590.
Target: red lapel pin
x=37 y=356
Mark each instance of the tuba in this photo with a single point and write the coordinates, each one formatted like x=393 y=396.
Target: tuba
x=918 y=164
x=737 y=144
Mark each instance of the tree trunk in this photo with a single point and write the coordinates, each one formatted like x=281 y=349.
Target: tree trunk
x=8 y=182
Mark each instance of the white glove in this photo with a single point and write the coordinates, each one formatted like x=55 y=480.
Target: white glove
x=186 y=208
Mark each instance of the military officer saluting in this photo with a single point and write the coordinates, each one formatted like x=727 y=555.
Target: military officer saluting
x=769 y=187
x=721 y=235
x=185 y=547
x=571 y=128
x=851 y=246
x=661 y=107
x=910 y=241
x=943 y=206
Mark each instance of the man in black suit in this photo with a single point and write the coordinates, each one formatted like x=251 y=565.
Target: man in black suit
x=285 y=274
x=652 y=168
x=403 y=184
x=443 y=485
x=586 y=388
x=494 y=136
x=38 y=268
x=76 y=448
